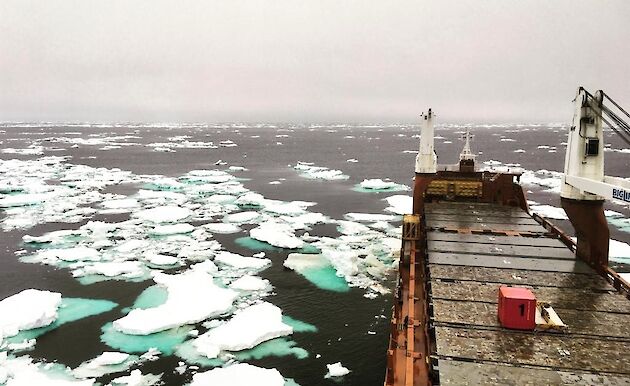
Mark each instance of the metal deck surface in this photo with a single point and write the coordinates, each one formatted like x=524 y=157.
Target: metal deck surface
x=475 y=248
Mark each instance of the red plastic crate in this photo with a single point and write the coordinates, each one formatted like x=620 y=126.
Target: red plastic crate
x=517 y=308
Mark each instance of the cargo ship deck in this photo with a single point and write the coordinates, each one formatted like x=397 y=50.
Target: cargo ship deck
x=470 y=249
x=470 y=234
x=473 y=248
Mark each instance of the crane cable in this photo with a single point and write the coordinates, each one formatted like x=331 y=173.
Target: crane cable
x=623 y=128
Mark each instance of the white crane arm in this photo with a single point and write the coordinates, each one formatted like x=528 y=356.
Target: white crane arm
x=612 y=188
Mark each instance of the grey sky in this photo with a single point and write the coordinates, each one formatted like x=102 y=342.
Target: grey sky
x=307 y=60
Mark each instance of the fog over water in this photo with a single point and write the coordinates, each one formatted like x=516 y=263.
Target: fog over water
x=314 y=61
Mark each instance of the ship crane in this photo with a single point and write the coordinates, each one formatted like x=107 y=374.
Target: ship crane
x=584 y=185
x=584 y=177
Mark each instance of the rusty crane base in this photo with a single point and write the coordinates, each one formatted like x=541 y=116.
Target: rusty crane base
x=444 y=326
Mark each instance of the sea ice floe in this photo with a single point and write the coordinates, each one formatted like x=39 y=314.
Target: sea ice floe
x=352 y=228
x=619 y=251
x=242 y=217
x=161 y=214
x=27 y=310
x=163 y=230
x=241 y=262
x=24 y=371
x=69 y=310
x=239 y=374
x=318 y=270
x=53 y=256
x=399 y=204
x=308 y=170
x=160 y=259
x=378 y=185
x=247 y=328
x=124 y=203
x=277 y=234
x=106 y=363
x=550 y=180
x=250 y=283
x=136 y=378
x=371 y=217
x=114 y=269
x=222 y=228
x=336 y=370
x=192 y=297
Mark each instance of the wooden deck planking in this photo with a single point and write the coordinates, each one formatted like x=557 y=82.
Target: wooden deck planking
x=466 y=271
x=518 y=276
x=495 y=239
x=502 y=250
x=453 y=372
x=554 y=351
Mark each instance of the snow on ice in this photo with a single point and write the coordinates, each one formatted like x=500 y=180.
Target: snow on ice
x=239 y=374
x=247 y=328
x=192 y=297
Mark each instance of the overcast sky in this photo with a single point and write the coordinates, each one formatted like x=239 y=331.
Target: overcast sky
x=308 y=60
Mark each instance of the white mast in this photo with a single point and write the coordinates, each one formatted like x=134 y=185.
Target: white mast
x=426 y=160
x=466 y=153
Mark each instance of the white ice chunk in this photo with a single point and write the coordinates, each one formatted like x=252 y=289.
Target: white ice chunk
x=107 y=362
x=22 y=371
x=28 y=309
x=222 y=228
x=136 y=378
x=371 y=217
x=130 y=245
x=240 y=374
x=303 y=261
x=163 y=230
x=160 y=259
x=292 y=208
x=352 y=228
x=277 y=234
x=24 y=199
x=336 y=370
x=26 y=344
x=239 y=261
x=250 y=198
x=71 y=254
x=377 y=184
x=319 y=172
x=248 y=328
x=618 y=250
x=168 y=213
x=192 y=297
x=241 y=217
x=125 y=203
x=127 y=269
x=250 y=283
x=400 y=204
x=207 y=266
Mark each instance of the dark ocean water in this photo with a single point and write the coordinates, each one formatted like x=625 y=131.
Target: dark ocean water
x=269 y=152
